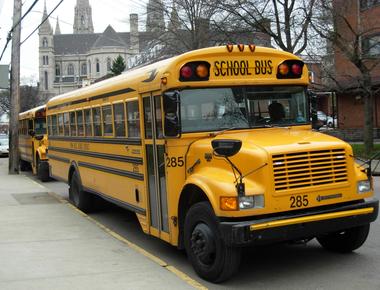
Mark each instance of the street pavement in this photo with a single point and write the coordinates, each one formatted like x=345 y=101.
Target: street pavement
x=45 y=243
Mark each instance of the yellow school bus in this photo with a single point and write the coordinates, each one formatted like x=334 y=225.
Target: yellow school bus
x=33 y=144
x=214 y=151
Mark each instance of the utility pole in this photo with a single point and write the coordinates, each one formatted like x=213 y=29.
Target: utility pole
x=15 y=90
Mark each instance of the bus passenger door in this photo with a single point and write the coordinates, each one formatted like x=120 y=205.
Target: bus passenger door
x=155 y=159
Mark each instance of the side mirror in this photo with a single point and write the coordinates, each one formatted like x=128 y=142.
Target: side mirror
x=313 y=109
x=226 y=147
x=31 y=132
x=172 y=121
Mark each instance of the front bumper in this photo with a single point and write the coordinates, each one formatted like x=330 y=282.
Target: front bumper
x=299 y=225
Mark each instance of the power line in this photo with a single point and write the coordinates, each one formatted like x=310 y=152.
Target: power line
x=42 y=22
x=9 y=37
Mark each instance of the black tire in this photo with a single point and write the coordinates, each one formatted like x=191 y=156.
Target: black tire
x=206 y=250
x=42 y=170
x=79 y=198
x=345 y=241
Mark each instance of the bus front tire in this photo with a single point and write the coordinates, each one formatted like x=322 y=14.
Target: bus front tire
x=206 y=250
x=345 y=241
x=79 y=198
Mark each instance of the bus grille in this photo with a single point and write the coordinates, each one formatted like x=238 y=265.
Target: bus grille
x=306 y=169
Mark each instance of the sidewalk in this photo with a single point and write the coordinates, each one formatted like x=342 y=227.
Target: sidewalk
x=45 y=244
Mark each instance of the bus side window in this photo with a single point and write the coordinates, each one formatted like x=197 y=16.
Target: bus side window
x=66 y=124
x=119 y=122
x=30 y=125
x=73 y=126
x=60 y=124
x=107 y=120
x=80 y=123
x=133 y=119
x=54 y=128
x=96 y=118
x=88 y=122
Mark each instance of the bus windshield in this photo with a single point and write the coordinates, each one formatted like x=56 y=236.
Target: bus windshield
x=210 y=109
x=40 y=126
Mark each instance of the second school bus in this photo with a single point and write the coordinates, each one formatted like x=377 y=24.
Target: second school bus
x=213 y=150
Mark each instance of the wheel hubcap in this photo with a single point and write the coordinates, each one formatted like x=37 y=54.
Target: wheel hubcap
x=203 y=244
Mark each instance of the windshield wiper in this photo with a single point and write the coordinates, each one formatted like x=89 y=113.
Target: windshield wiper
x=216 y=133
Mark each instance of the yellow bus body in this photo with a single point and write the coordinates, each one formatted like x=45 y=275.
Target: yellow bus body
x=182 y=171
x=33 y=143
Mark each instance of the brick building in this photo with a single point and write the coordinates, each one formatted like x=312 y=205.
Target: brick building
x=363 y=36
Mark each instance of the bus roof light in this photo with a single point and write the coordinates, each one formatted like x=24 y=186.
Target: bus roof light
x=252 y=47
x=202 y=71
x=186 y=72
x=241 y=47
x=230 y=47
x=283 y=69
x=296 y=69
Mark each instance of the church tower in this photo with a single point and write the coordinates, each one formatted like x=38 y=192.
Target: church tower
x=83 y=18
x=155 y=16
x=46 y=58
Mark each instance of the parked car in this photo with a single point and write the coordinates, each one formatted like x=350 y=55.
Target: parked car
x=4 y=145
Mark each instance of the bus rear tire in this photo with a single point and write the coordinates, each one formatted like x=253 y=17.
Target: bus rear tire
x=43 y=170
x=345 y=241
x=206 y=250
x=79 y=198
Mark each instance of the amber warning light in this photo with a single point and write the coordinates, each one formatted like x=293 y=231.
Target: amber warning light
x=195 y=71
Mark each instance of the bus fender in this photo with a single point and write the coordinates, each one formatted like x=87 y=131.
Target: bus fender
x=74 y=168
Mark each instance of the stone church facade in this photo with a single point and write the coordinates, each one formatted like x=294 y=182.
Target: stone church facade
x=69 y=61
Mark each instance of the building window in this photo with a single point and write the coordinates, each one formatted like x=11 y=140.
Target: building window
x=46 y=80
x=44 y=42
x=371 y=46
x=83 y=69
x=45 y=60
x=97 y=66
x=108 y=64
x=57 y=70
x=364 y=4
x=70 y=69
x=89 y=66
x=82 y=20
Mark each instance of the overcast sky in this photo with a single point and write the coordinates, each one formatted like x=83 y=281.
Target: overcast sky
x=104 y=12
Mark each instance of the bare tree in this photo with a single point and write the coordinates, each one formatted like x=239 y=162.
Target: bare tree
x=347 y=34
x=287 y=21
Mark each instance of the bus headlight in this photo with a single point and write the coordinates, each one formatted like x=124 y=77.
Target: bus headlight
x=251 y=201
x=364 y=186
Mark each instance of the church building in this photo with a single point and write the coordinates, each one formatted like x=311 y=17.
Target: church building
x=69 y=61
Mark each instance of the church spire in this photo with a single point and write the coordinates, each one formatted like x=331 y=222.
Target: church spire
x=174 y=23
x=83 y=17
x=57 y=28
x=45 y=27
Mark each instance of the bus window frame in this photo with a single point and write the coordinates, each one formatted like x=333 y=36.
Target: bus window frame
x=93 y=109
x=138 y=121
x=76 y=119
x=85 y=124
x=103 y=125
x=75 y=124
x=122 y=103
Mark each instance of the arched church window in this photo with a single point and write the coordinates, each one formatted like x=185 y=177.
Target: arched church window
x=44 y=42
x=108 y=64
x=57 y=70
x=89 y=66
x=82 y=20
x=97 y=65
x=83 y=69
x=70 y=69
